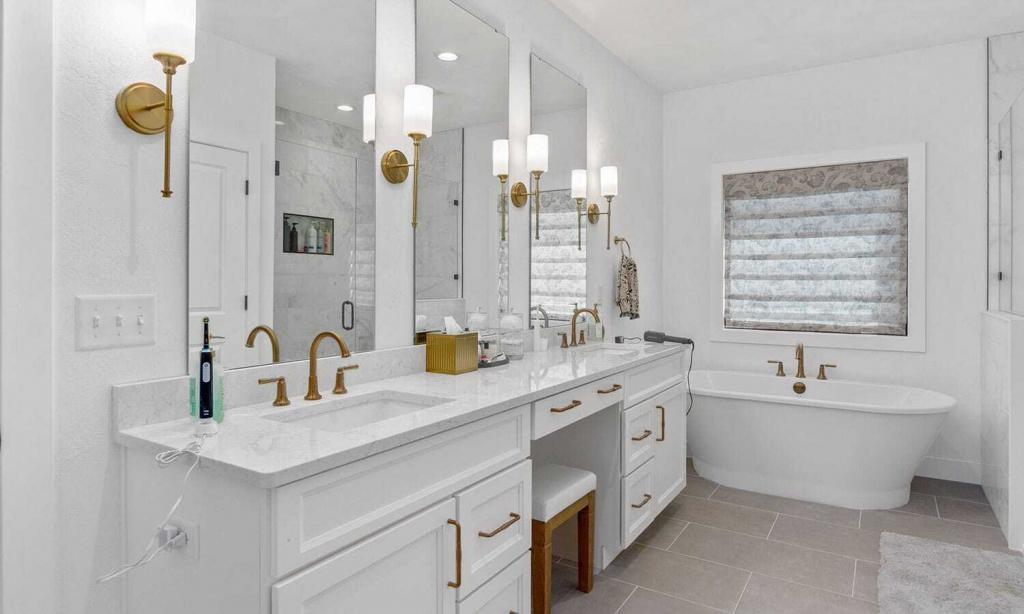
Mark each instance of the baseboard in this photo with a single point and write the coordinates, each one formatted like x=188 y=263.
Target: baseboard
x=950 y=469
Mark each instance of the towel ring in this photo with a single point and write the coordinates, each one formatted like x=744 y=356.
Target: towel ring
x=619 y=241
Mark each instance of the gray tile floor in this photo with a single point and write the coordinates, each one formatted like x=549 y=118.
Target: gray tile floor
x=718 y=549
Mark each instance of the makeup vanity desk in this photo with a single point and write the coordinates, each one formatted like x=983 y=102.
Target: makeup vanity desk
x=293 y=511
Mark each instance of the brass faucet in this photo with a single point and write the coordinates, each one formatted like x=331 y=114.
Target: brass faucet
x=800 y=361
x=312 y=391
x=575 y=315
x=275 y=347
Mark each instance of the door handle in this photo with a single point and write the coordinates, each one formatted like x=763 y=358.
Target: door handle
x=646 y=434
x=348 y=315
x=458 y=554
x=662 y=438
x=614 y=388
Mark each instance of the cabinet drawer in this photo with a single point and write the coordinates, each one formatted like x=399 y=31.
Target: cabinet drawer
x=638 y=502
x=507 y=592
x=645 y=381
x=404 y=568
x=638 y=434
x=564 y=408
x=496 y=523
x=323 y=513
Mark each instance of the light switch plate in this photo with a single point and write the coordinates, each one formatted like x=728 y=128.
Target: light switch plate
x=114 y=321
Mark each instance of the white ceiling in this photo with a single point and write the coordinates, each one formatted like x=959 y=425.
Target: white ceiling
x=681 y=44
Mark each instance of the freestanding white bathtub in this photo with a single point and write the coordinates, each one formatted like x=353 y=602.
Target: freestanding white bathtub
x=844 y=443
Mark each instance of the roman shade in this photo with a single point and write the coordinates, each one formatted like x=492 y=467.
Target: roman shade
x=821 y=249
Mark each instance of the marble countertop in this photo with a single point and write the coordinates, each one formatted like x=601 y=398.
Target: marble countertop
x=268 y=452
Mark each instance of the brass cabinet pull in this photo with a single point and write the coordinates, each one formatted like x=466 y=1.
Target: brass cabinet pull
x=647 y=499
x=662 y=438
x=647 y=433
x=513 y=518
x=458 y=554
x=614 y=388
x=572 y=405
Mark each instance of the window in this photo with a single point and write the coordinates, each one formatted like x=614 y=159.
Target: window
x=820 y=249
x=558 y=260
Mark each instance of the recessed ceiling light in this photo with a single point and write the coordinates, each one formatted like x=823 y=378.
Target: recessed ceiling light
x=447 y=56
x=278 y=122
x=345 y=107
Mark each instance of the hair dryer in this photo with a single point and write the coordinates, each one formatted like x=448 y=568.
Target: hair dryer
x=660 y=337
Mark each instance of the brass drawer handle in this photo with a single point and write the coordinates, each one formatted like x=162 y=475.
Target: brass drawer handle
x=647 y=433
x=513 y=518
x=458 y=554
x=615 y=388
x=572 y=405
x=646 y=500
x=662 y=438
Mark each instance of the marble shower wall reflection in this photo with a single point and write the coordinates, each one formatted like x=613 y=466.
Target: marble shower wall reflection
x=325 y=170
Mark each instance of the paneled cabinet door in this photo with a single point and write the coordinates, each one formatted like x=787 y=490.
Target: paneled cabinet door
x=404 y=568
x=669 y=420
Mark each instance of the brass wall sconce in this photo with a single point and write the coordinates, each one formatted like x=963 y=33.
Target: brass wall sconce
x=579 y=194
x=609 y=189
x=537 y=164
x=144 y=107
x=418 y=124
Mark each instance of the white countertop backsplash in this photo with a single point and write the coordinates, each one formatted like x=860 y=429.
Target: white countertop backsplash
x=154 y=415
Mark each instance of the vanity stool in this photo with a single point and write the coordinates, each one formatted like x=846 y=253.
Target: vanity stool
x=559 y=493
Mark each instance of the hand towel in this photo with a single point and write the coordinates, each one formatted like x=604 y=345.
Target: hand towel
x=627 y=293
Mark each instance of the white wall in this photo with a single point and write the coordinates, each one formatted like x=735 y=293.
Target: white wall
x=113 y=234
x=935 y=96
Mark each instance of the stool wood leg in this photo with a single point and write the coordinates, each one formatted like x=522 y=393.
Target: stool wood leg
x=585 y=546
x=540 y=580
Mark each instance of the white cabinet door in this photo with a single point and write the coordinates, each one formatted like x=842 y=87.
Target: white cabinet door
x=638 y=502
x=506 y=593
x=669 y=444
x=405 y=568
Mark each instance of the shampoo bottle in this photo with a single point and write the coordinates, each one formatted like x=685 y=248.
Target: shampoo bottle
x=311 y=239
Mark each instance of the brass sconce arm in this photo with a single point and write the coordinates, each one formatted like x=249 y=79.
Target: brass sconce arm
x=594 y=214
x=395 y=168
x=503 y=206
x=146 y=109
x=520 y=194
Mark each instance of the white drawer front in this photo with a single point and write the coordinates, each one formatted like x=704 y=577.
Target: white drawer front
x=638 y=502
x=564 y=408
x=509 y=591
x=496 y=524
x=404 y=568
x=320 y=514
x=637 y=436
x=650 y=379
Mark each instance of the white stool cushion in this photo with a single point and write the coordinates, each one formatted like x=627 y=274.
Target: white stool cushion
x=556 y=487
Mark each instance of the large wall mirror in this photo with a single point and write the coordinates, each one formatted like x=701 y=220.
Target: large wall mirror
x=465 y=61
x=558 y=258
x=281 y=182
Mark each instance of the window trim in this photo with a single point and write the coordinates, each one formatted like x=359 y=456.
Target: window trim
x=915 y=340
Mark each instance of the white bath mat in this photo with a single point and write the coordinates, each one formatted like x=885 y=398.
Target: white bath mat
x=930 y=577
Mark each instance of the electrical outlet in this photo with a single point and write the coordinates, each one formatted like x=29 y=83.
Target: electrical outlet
x=191 y=529
x=114 y=321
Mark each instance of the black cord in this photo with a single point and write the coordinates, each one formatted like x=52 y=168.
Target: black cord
x=689 y=393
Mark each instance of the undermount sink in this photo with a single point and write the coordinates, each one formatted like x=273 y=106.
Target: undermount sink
x=346 y=413
x=613 y=349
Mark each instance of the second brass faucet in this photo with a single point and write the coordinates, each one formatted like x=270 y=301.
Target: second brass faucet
x=313 y=390
x=575 y=315
x=800 y=361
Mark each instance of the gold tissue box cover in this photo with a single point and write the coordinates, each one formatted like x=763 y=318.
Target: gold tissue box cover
x=451 y=354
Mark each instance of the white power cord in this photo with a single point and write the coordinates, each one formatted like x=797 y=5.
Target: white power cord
x=164 y=537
